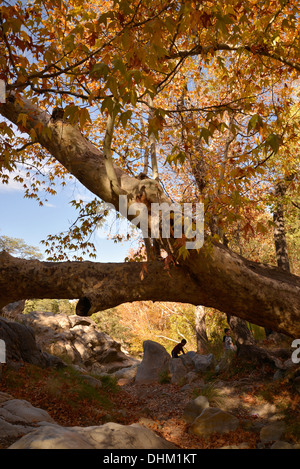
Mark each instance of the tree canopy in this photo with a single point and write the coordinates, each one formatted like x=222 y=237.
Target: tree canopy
x=160 y=101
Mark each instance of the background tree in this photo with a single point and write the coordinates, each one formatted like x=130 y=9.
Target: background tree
x=17 y=247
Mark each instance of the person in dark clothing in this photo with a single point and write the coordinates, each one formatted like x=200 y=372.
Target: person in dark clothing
x=227 y=341
x=178 y=349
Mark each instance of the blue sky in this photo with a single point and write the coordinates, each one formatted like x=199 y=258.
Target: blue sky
x=25 y=219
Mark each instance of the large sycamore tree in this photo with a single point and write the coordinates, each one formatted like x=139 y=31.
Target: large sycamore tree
x=157 y=101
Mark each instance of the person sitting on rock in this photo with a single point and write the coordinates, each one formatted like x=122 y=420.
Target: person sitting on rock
x=178 y=349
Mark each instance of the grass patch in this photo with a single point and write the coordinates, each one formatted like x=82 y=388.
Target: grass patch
x=63 y=393
x=212 y=393
x=164 y=377
x=109 y=383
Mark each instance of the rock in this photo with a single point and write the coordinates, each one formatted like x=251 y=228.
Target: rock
x=95 y=383
x=272 y=432
x=214 y=420
x=77 y=340
x=18 y=417
x=128 y=373
x=193 y=377
x=19 y=410
x=155 y=363
x=12 y=310
x=108 y=436
x=203 y=363
x=282 y=445
x=194 y=408
x=187 y=360
x=178 y=370
x=21 y=345
x=9 y=430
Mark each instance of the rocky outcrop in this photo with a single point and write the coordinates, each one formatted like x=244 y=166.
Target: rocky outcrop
x=273 y=431
x=108 y=436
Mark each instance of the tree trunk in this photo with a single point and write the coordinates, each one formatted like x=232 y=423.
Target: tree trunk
x=214 y=277
x=279 y=229
x=279 y=232
x=201 y=336
x=241 y=330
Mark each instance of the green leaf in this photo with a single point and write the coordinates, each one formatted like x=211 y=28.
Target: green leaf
x=177 y=156
x=274 y=141
x=119 y=65
x=71 y=113
x=255 y=123
x=100 y=70
x=124 y=117
x=84 y=116
x=108 y=103
x=23 y=119
x=205 y=133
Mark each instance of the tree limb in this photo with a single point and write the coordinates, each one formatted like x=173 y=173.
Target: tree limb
x=152 y=140
x=221 y=280
x=107 y=153
x=200 y=50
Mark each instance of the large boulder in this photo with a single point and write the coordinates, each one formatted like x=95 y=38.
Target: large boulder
x=187 y=359
x=18 y=417
x=155 y=363
x=108 y=436
x=21 y=345
x=23 y=412
x=127 y=374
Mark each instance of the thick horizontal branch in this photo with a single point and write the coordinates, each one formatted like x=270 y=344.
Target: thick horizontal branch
x=98 y=285
x=222 y=280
